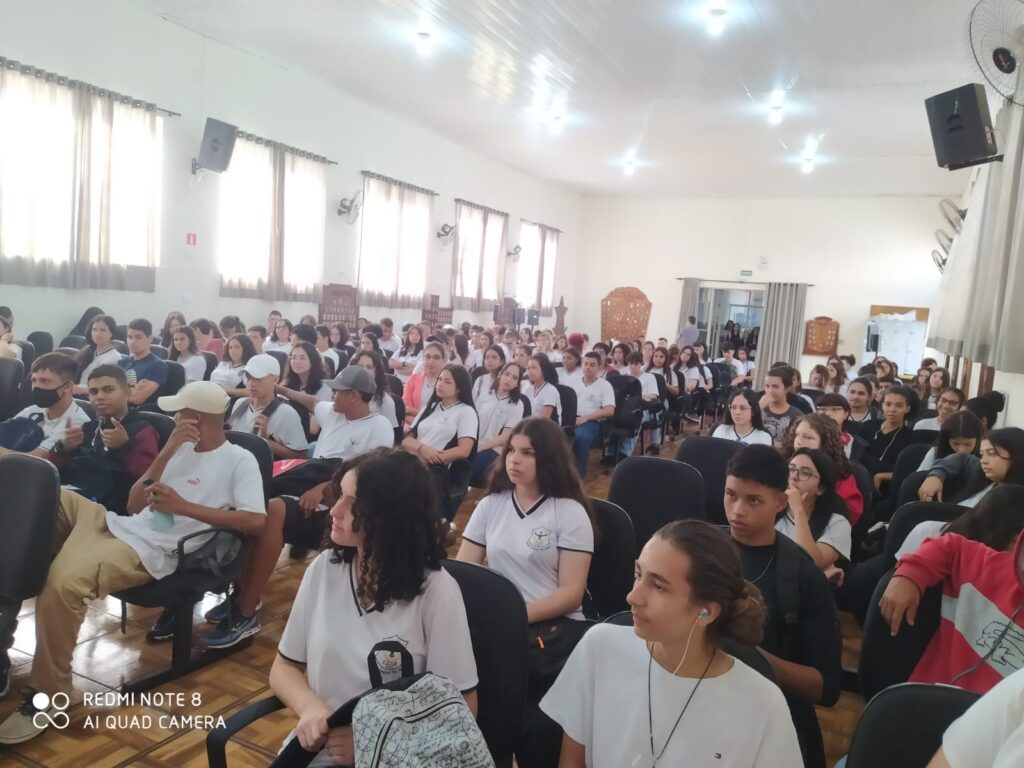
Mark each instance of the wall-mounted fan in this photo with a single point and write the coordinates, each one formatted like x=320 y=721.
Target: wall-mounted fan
x=447 y=233
x=953 y=214
x=350 y=207
x=514 y=253
x=995 y=34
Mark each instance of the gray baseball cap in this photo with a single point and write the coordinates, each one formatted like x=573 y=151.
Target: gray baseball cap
x=355 y=378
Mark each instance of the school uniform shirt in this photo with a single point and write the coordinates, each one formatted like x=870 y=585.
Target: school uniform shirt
x=593 y=397
x=332 y=355
x=148 y=368
x=340 y=438
x=497 y=414
x=524 y=545
x=648 y=384
x=391 y=345
x=482 y=389
x=53 y=429
x=601 y=701
x=277 y=346
x=776 y=424
x=927 y=529
x=283 y=426
x=414 y=360
x=474 y=359
x=227 y=477
x=555 y=356
x=932 y=424
x=753 y=437
x=228 y=375
x=446 y=424
x=694 y=374
x=837 y=534
x=927 y=461
x=980 y=593
x=195 y=367
x=386 y=408
x=546 y=394
x=570 y=379
x=109 y=357
x=991 y=732
x=331 y=634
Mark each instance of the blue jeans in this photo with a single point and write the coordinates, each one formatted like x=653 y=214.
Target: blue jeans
x=582 y=442
x=481 y=464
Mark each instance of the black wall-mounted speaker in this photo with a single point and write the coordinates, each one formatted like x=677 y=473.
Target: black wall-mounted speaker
x=961 y=127
x=533 y=317
x=218 y=144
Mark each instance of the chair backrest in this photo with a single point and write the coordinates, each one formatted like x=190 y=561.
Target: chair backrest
x=903 y=725
x=74 y=341
x=394 y=383
x=69 y=351
x=886 y=660
x=211 y=363
x=282 y=358
x=709 y=456
x=568 y=397
x=162 y=423
x=907 y=462
x=28 y=517
x=175 y=378
x=477 y=372
x=12 y=373
x=158 y=351
x=43 y=341
x=814 y=394
x=86 y=406
x=28 y=353
x=908 y=516
x=121 y=332
x=798 y=402
x=612 y=567
x=259 y=448
x=628 y=405
x=497 y=625
x=926 y=437
x=909 y=488
x=119 y=345
x=865 y=485
x=399 y=416
x=656 y=491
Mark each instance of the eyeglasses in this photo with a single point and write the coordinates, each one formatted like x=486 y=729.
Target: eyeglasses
x=801 y=473
x=949 y=401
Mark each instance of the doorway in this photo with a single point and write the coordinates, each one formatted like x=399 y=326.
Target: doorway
x=718 y=306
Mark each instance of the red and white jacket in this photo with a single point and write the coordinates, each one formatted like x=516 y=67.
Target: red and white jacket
x=980 y=593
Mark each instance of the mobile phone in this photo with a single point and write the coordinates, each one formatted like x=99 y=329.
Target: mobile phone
x=106 y=424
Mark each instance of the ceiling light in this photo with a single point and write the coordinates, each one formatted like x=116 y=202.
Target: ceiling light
x=629 y=168
x=775 y=115
x=716 y=17
x=425 y=42
x=807 y=165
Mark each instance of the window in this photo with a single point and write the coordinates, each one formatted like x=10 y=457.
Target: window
x=535 y=270
x=270 y=222
x=80 y=177
x=478 y=256
x=394 y=246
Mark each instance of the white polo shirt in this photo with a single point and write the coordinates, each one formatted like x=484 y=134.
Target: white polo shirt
x=524 y=545
x=445 y=424
x=570 y=379
x=482 y=389
x=391 y=345
x=497 y=414
x=753 y=437
x=109 y=357
x=386 y=408
x=284 y=425
x=330 y=633
x=546 y=394
x=593 y=397
x=53 y=429
x=228 y=375
x=343 y=439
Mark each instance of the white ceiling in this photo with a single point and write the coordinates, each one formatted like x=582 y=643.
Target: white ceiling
x=641 y=73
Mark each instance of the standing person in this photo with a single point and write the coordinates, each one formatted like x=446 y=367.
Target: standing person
x=146 y=372
x=776 y=412
x=404 y=363
x=499 y=413
x=689 y=333
x=185 y=352
x=99 y=351
x=655 y=693
x=595 y=404
x=541 y=388
x=743 y=421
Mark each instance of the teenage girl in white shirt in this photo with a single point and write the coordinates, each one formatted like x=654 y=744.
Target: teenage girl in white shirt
x=228 y=372
x=403 y=364
x=184 y=351
x=100 y=351
x=498 y=413
x=494 y=359
x=835 y=382
x=743 y=423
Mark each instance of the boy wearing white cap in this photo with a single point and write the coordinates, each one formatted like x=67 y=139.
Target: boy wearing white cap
x=266 y=415
x=198 y=481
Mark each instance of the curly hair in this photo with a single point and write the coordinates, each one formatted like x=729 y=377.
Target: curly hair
x=831 y=441
x=396 y=513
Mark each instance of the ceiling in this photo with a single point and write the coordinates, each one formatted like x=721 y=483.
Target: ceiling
x=566 y=89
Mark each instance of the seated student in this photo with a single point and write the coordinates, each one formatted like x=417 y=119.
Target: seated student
x=347 y=429
x=885 y=383
x=349 y=602
x=742 y=423
x=116 y=450
x=746 y=367
x=172 y=322
x=835 y=380
x=541 y=388
x=982 y=595
x=836 y=408
x=802 y=641
x=694 y=379
x=303 y=381
x=381 y=402
x=571 y=372
x=987 y=407
x=280 y=337
x=522 y=355
x=54 y=408
x=8 y=348
x=208 y=337
x=729 y=358
x=604 y=351
x=257 y=335
x=323 y=347
x=665 y=692
x=198 y=481
x=817 y=518
x=493 y=362
x=405 y=362
x=964 y=479
x=546 y=346
x=659 y=365
x=480 y=342
x=950 y=401
x=99 y=351
x=818 y=377
x=961 y=433
x=303 y=332
x=498 y=412
x=702 y=351
x=595 y=404
x=419 y=387
x=795 y=394
x=860 y=394
x=511 y=341
x=146 y=372
x=818 y=432
x=888 y=437
x=921 y=383
x=617 y=361
x=776 y=412
x=266 y=415
x=990 y=732
x=228 y=373
x=387 y=339
x=231 y=325
x=884 y=367
x=185 y=352
x=937 y=382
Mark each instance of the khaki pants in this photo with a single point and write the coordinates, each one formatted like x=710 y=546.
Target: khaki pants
x=90 y=562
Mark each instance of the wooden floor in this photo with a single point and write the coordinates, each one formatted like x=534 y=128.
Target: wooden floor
x=105 y=659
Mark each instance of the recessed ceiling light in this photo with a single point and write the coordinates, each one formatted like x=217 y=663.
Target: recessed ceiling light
x=807 y=165
x=717 y=17
x=775 y=116
x=629 y=168
x=425 y=41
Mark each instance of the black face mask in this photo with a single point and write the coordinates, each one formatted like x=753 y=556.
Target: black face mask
x=46 y=398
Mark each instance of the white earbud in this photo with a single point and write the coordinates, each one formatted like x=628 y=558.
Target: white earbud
x=704 y=613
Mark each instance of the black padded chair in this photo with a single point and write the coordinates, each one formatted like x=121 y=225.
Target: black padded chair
x=119 y=345
x=903 y=725
x=568 y=397
x=282 y=358
x=86 y=406
x=908 y=516
x=395 y=385
x=909 y=488
x=814 y=394
x=74 y=341
x=656 y=491
x=625 y=422
x=175 y=379
x=211 y=363
x=12 y=374
x=162 y=423
x=43 y=341
x=612 y=567
x=477 y=372
x=69 y=351
x=907 y=462
x=28 y=353
x=709 y=456
x=158 y=351
x=926 y=436
x=497 y=623
x=259 y=448
x=399 y=416
x=886 y=660
x=28 y=517
x=121 y=332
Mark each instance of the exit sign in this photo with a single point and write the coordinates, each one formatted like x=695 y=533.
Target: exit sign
x=746 y=273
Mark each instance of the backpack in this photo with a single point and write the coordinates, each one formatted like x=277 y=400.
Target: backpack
x=21 y=433
x=787 y=580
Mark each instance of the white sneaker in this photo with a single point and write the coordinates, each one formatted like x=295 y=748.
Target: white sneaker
x=23 y=724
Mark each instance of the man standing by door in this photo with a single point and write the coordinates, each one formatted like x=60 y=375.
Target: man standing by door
x=690 y=333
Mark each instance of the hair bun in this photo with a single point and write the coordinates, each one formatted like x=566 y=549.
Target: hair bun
x=746 y=617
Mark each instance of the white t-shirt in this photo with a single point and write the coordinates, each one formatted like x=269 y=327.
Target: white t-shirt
x=53 y=429
x=555 y=355
x=753 y=437
x=343 y=439
x=648 y=384
x=474 y=359
x=837 y=533
x=332 y=634
x=593 y=397
x=991 y=732
x=445 y=424
x=927 y=529
x=110 y=357
x=570 y=379
x=228 y=375
x=932 y=424
x=332 y=354
x=277 y=346
x=736 y=720
x=195 y=367
x=391 y=345
x=547 y=394
x=227 y=477
x=524 y=544
x=284 y=425
x=482 y=389
x=386 y=408
x=413 y=360
x=497 y=414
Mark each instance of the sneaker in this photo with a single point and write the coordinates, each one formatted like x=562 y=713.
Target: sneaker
x=163 y=629
x=219 y=612
x=22 y=724
x=5 y=674
x=298 y=553
x=225 y=636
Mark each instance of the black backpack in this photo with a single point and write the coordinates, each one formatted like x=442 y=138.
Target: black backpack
x=21 y=433
x=787 y=580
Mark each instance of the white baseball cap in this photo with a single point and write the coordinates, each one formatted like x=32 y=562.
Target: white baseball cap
x=263 y=365
x=202 y=396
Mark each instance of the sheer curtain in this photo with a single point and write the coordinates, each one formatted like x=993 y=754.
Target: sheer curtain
x=535 y=270
x=477 y=256
x=394 y=246
x=548 y=260
x=782 y=335
x=245 y=219
x=305 y=206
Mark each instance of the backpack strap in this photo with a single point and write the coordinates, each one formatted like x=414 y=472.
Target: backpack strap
x=787 y=574
x=393 y=647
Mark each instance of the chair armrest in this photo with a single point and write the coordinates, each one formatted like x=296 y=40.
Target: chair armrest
x=217 y=739
x=242 y=538
x=205 y=556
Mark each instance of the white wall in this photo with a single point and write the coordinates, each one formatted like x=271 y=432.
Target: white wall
x=856 y=252
x=115 y=45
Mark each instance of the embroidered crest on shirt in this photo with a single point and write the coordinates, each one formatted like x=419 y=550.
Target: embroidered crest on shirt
x=540 y=538
x=390 y=663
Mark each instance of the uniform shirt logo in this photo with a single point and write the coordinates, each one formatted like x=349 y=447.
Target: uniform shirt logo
x=540 y=539
x=388 y=662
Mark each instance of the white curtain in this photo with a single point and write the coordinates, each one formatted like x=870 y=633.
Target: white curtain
x=535 y=271
x=548 y=260
x=245 y=218
x=478 y=255
x=305 y=206
x=394 y=247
